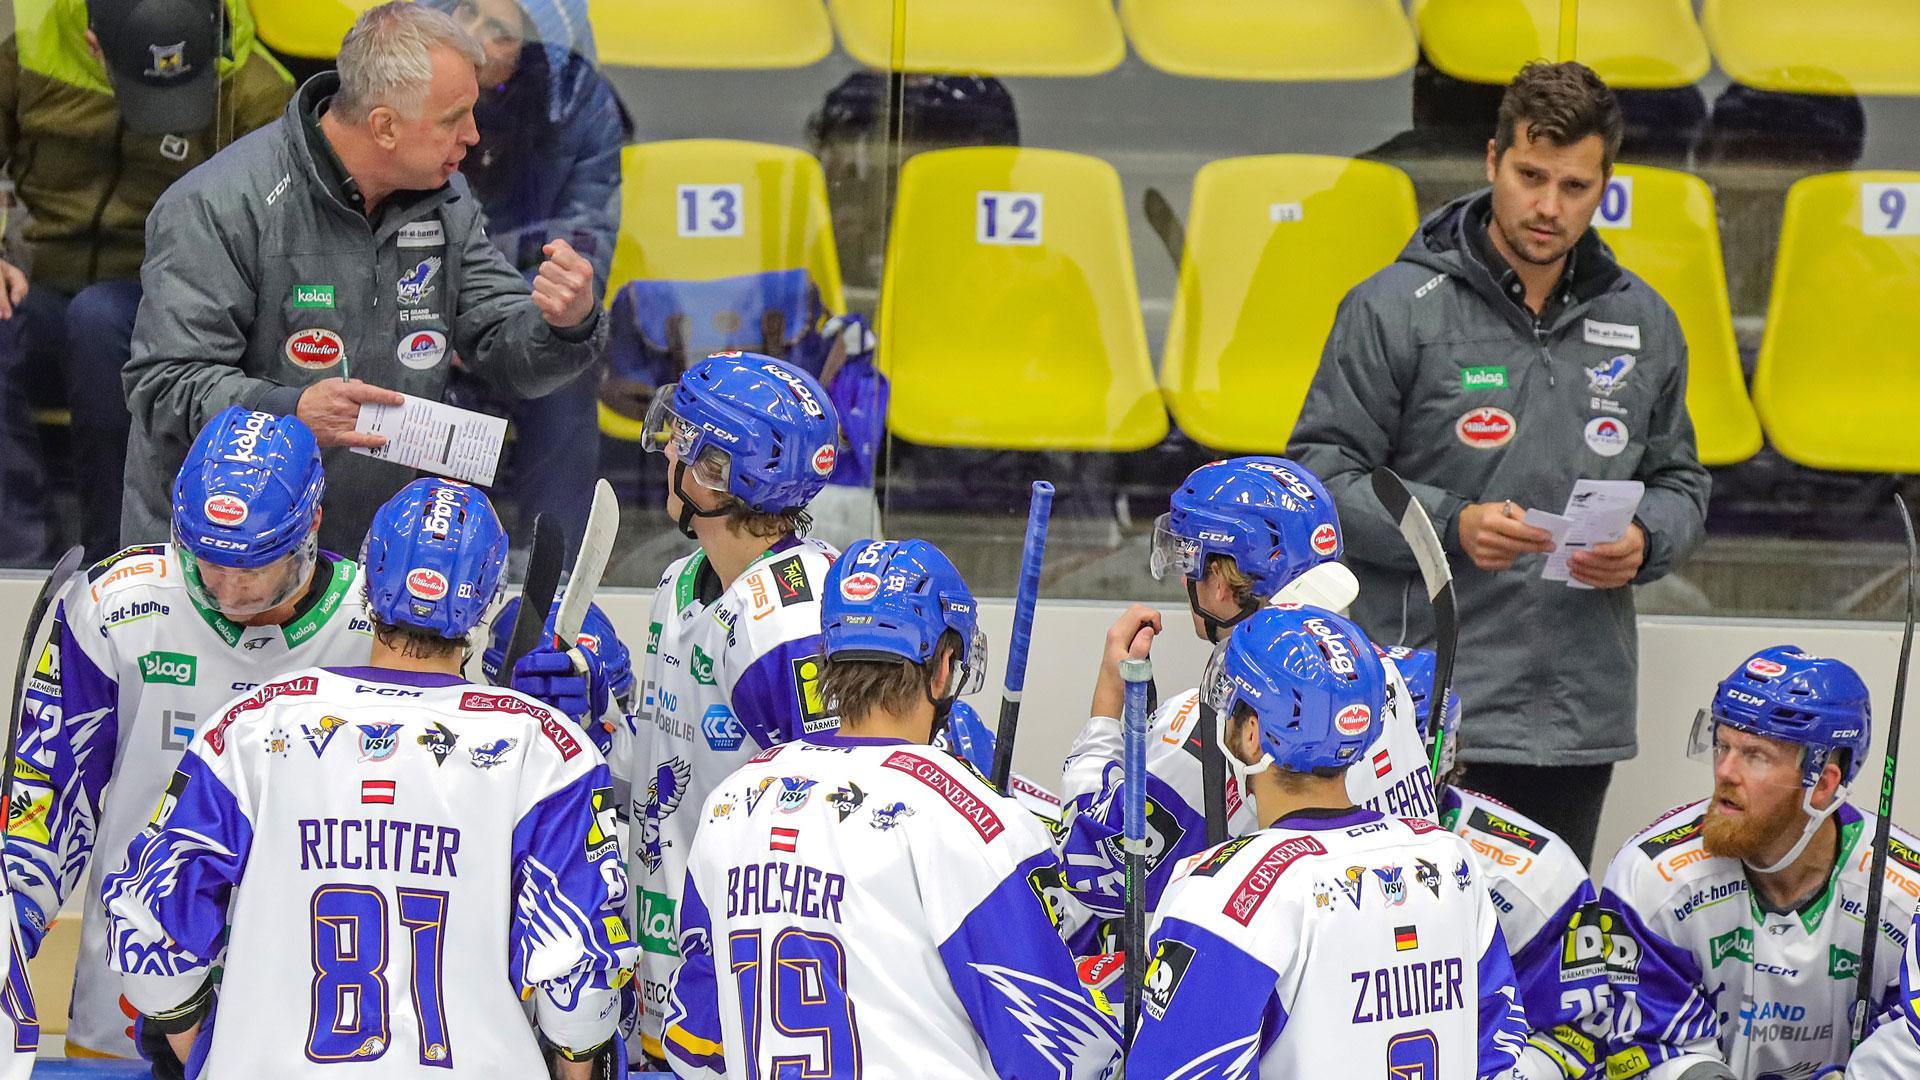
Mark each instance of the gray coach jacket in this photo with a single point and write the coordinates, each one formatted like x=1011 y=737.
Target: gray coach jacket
x=260 y=279
x=1432 y=370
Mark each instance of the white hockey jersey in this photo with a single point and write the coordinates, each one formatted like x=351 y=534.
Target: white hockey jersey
x=1700 y=972
x=1392 y=777
x=132 y=667
x=19 y=1015
x=724 y=675
x=1892 y=1052
x=1335 y=943
x=394 y=861
x=870 y=907
x=1543 y=899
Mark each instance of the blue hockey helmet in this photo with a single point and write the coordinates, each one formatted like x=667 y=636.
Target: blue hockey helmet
x=968 y=737
x=892 y=599
x=1781 y=693
x=245 y=504
x=596 y=633
x=1416 y=668
x=1272 y=517
x=433 y=557
x=746 y=425
x=1312 y=679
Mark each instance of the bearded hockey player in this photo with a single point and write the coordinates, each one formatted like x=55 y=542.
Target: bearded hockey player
x=867 y=904
x=389 y=899
x=1239 y=532
x=145 y=646
x=1735 y=923
x=1544 y=901
x=1892 y=1052
x=732 y=662
x=1334 y=940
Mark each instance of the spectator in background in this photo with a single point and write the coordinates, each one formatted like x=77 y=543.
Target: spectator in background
x=547 y=164
x=1504 y=356
x=103 y=105
x=339 y=241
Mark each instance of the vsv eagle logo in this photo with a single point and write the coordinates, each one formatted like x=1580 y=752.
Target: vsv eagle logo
x=668 y=787
x=1610 y=376
x=412 y=288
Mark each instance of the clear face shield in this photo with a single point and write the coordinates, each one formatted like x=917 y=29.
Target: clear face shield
x=1172 y=555
x=664 y=432
x=1219 y=690
x=967 y=678
x=241 y=594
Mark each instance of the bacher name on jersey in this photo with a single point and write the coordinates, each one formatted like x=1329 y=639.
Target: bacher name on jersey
x=402 y=870
x=1333 y=940
x=725 y=674
x=134 y=664
x=1702 y=972
x=873 y=907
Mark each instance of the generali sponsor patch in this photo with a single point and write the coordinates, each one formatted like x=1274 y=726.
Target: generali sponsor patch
x=1254 y=888
x=952 y=789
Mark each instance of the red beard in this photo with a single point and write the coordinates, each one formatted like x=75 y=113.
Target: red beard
x=1748 y=836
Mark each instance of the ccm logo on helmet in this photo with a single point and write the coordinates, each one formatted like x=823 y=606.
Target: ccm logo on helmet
x=225 y=510
x=1353 y=720
x=808 y=402
x=1765 y=668
x=1325 y=539
x=439 y=519
x=1339 y=656
x=247 y=436
x=860 y=586
x=426 y=584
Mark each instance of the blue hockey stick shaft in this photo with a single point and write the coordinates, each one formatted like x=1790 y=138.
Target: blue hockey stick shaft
x=1138 y=675
x=1033 y=554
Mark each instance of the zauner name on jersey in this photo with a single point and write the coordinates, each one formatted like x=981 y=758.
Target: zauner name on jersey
x=1413 y=989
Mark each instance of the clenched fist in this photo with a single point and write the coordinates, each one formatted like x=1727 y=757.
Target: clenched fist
x=563 y=289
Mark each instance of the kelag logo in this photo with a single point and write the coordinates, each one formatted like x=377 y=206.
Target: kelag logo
x=172 y=668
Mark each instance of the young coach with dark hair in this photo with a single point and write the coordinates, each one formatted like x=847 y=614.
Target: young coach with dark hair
x=1504 y=356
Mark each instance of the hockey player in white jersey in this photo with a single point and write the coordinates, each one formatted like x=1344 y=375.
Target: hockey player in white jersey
x=1546 y=905
x=386 y=859
x=1334 y=940
x=732 y=661
x=599 y=700
x=1735 y=923
x=1892 y=1052
x=867 y=905
x=145 y=646
x=1240 y=533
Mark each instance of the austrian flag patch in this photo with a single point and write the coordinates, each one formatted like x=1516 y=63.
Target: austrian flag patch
x=952 y=789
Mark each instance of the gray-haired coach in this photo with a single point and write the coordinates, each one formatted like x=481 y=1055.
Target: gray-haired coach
x=340 y=242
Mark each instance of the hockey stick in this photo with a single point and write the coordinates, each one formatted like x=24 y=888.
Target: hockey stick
x=1165 y=224
x=596 y=547
x=1137 y=673
x=1213 y=772
x=50 y=590
x=1876 y=880
x=1417 y=528
x=536 y=592
x=1032 y=555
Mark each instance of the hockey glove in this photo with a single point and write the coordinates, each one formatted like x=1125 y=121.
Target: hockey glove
x=547 y=673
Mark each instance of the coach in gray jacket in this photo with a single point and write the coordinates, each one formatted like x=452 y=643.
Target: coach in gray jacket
x=334 y=258
x=1504 y=356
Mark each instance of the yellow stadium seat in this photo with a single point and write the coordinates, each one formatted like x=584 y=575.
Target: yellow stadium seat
x=1273 y=243
x=1009 y=314
x=307 y=28
x=987 y=37
x=1632 y=44
x=1831 y=47
x=1662 y=225
x=782 y=221
x=1839 y=366
x=1272 y=39
x=710 y=33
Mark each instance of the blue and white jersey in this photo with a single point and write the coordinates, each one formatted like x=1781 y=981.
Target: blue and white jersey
x=725 y=674
x=386 y=864
x=132 y=666
x=869 y=907
x=1334 y=943
x=1892 y=1052
x=19 y=1016
x=1544 y=900
x=1392 y=777
x=1701 y=972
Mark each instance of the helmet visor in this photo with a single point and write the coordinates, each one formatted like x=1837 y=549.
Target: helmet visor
x=1761 y=761
x=1172 y=554
x=241 y=594
x=664 y=430
x=969 y=677
x=1216 y=686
